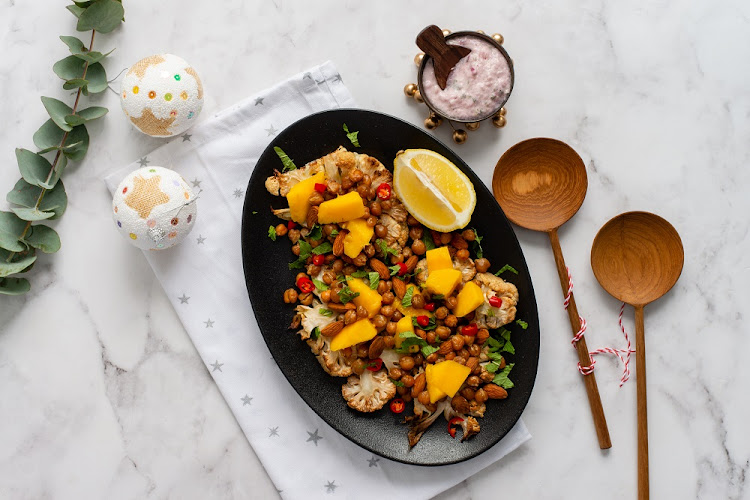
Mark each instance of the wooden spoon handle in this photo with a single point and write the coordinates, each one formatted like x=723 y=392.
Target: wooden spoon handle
x=595 y=402
x=445 y=57
x=640 y=362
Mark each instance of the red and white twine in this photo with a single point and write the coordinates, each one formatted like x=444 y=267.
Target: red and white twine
x=622 y=354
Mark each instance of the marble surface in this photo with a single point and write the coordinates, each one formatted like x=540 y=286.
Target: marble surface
x=104 y=396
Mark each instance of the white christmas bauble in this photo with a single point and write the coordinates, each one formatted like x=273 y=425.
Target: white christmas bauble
x=162 y=95
x=154 y=208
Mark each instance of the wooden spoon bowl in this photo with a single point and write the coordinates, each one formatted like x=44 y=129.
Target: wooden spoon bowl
x=637 y=257
x=540 y=183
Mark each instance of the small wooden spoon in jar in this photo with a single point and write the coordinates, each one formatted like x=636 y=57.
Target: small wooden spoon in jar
x=540 y=184
x=637 y=257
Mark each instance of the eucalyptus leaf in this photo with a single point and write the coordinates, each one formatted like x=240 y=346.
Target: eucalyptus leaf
x=14 y=286
x=11 y=228
x=75 y=83
x=54 y=200
x=77 y=143
x=31 y=214
x=83 y=4
x=49 y=135
x=35 y=169
x=16 y=266
x=69 y=68
x=93 y=56
x=57 y=110
x=97 y=78
x=75 y=45
x=102 y=16
x=43 y=238
x=75 y=10
x=86 y=115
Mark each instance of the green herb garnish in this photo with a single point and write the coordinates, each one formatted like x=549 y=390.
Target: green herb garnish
x=397 y=383
x=428 y=349
x=522 y=324
x=427 y=240
x=315 y=333
x=316 y=232
x=438 y=297
x=394 y=269
x=272 y=233
x=477 y=244
x=304 y=252
x=359 y=274
x=506 y=267
x=352 y=136
x=410 y=339
x=325 y=312
x=384 y=248
x=334 y=232
x=254 y=212
x=346 y=294
x=285 y=160
x=323 y=248
x=406 y=301
x=320 y=285
x=502 y=379
x=374 y=280
x=431 y=325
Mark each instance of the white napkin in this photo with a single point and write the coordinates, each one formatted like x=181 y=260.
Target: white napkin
x=203 y=278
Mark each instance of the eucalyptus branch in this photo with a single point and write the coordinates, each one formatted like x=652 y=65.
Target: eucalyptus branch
x=39 y=194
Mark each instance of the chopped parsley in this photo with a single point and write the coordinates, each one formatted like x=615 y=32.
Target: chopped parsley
x=272 y=233
x=320 y=285
x=323 y=248
x=352 y=136
x=325 y=312
x=384 y=248
x=285 y=160
x=427 y=240
x=406 y=301
x=506 y=267
x=477 y=244
x=374 y=280
x=346 y=294
x=438 y=297
x=315 y=333
x=255 y=212
x=522 y=324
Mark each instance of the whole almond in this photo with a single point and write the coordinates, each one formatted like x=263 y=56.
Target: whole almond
x=312 y=216
x=377 y=346
x=494 y=391
x=338 y=243
x=445 y=348
x=399 y=287
x=419 y=384
x=332 y=329
x=460 y=404
x=380 y=268
x=473 y=363
x=341 y=308
x=411 y=263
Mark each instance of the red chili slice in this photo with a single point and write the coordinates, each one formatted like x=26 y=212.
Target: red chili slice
x=451 y=423
x=423 y=320
x=375 y=365
x=305 y=285
x=470 y=330
x=402 y=269
x=384 y=191
x=398 y=405
x=496 y=301
x=321 y=188
x=291 y=224
x=319 y=260
x=430 y=306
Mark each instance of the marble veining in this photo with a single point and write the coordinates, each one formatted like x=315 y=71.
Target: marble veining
x=103 y=394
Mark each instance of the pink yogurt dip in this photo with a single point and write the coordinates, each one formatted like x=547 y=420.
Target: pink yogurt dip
x=478 y=85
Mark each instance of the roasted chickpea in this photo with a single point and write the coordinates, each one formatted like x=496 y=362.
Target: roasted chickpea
x=363 y=191
x=387 y=298
x=333 y=187
x=412 y=221
x=473 y=381
x=431 y=337
x=386 y=204
x=432 y=357
x=358 y=366
x=325 y=295
x=366 y=180
x=481 y=395
x=463 y=352
x=417 y=301
x=396 y=316
x=395 y=373
x=468 y=340
x=387 y=311
x=424 y=397
x=406 y=252
x=349 y=269
x=482 y=335
x=445 y=238
x=363 y=350
x=382 y=287
x=395 y=259
x=346 y=184
x=407 y=380
x=369 y=251
x=443 y=332
x=451 y=321
x=296 y=249
x=469 y=234
x=441 y=312
x=315 y=199
x=451 y=302
x=406 y=363
x=468 y=393
x=313 y=270
x=375 y=208
x=356 y=175
x=416 y=233
x=306 y=299
x=407 y=397
x=293 y=235
x=328 y=229
x=450 y=355
x=402 y=391
x=350 y=317
x=381 y=231
x=372 y=221
x=281 y=230
x=460 y=360
x=486 y=376
x=334 y=297
x=482 y=265
x=457 y=341
x=389 y=342
x=474 y=350
x=462 y=254
x=390 y=328
x=418 y=247
x=379 y=321
x=361 y=312
x=337 y=266
x=418 y=359
x=290 y=296
x=360 y=260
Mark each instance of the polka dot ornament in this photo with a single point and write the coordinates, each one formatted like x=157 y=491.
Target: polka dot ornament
x=162 y=95
x=154 y=208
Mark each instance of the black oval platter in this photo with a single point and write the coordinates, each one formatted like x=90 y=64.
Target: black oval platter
x=267 y=276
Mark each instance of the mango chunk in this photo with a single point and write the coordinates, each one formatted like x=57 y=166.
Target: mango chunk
x=358 y=237
x=403 y=325
x=469 y=298
x=439 y=258
x=368 y=298
x=361 y=331
x=435 y=392
x=341 y=209
x=443 y=281
x=448 y=376
x=300 y=193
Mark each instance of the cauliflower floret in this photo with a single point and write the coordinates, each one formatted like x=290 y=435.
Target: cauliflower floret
x=310 y=317
x=279 y=183
x=490 y=317
x=335 y=363
x=467 y=268
x=398 y=232
x=390 y=359
x=469 y=425
x=368 y=392
x=423 y=419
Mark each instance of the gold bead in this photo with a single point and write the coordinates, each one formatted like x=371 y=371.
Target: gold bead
x=499 y=120
x=503 y=111
x=498 y=38
x=409 y=89
x=472 y=125
x=418 y=96
x=459 y=136
x=418 y=58
x=429 y=123
x=435 y=119
x=446 y=32
x=480 y=32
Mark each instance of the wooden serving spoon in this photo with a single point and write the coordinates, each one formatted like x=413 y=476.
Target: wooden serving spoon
x=540 y=184
x=637 y=257
x=444 y=56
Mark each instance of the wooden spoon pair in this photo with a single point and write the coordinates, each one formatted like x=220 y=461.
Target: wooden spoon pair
x=637 y=256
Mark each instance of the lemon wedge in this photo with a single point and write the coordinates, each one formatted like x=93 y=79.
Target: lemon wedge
x=433 y=189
